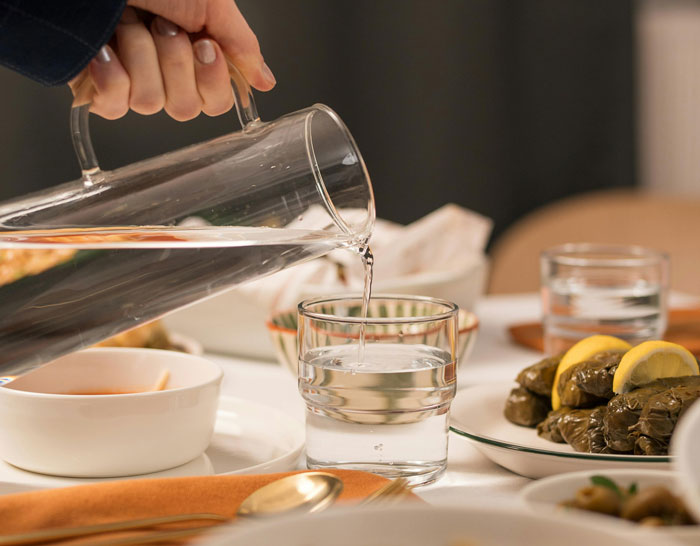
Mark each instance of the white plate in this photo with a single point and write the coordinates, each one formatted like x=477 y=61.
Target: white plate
x=249 y=438
x=685 y=446
x=477 y=414
x=548 y=493
x=413 y=525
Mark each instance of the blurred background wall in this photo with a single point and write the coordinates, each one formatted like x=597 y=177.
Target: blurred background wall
x=498 y=105
x=669 y=95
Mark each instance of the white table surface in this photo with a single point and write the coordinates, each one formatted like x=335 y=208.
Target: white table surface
x=494 y=359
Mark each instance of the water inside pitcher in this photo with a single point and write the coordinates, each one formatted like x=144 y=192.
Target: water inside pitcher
x=92 y=258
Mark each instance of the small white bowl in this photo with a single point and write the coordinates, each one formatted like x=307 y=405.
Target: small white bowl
x=556 y=489
x=548 y=493
x=47 y=427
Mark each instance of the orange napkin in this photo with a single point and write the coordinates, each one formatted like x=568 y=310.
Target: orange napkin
x=683 y=328
x=144 y=498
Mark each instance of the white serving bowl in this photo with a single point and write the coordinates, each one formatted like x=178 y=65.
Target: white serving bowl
x=548 y=493
x=282 y=327
x=47 y=428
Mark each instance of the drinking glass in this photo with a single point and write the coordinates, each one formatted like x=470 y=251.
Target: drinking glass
x=383 y=409
x=602 y=289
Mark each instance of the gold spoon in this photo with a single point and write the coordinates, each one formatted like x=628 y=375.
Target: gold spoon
x=306 y=492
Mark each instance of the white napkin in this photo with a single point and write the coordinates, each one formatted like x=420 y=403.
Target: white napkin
x=450 y=239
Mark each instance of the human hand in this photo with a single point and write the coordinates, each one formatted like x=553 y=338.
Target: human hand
x=183 y=70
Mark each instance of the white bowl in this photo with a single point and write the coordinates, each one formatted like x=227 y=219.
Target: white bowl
x=685 y=446
x=47 y=428
x=556 y=489
x=548 y=493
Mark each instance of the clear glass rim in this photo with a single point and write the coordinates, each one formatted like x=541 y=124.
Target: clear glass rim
x=451 y=309
x=603 y=255
x=365 y=230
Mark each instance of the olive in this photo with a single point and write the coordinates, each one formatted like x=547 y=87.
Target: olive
x=653 y=501
x=597 y=498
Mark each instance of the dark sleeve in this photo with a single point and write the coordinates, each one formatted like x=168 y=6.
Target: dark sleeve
x=51 y=41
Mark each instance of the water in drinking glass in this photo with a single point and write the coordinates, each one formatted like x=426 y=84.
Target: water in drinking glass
x=592 y=289
x=387 y=413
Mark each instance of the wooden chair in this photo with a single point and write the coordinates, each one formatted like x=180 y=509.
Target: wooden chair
x=662 y=222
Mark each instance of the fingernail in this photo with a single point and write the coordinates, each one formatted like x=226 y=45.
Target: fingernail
x=104 y=55
x=166 y=28
x=205 y=52
x=267 y=74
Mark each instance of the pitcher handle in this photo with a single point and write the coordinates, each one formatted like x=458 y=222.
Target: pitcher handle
x=80 y=127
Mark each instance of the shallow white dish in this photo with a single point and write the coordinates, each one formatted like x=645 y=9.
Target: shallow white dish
x=249 y=438
x=413 y=525
x=477 y=414
x=685 y=446
x=548 y=493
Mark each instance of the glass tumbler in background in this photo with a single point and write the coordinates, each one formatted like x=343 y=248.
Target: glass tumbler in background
x=386 y=412
x=602 y=289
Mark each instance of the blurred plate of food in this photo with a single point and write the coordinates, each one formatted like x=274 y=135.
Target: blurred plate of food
x=154 y=335
x=637 y=500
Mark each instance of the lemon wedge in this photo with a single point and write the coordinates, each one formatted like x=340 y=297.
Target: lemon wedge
x=653 y=360
x=583 y=350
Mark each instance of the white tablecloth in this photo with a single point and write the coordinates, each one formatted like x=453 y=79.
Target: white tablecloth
x=494 y=359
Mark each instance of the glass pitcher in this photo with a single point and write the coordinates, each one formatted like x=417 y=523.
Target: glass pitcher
x=89 y=259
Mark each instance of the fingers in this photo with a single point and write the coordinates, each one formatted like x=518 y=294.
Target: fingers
x=112 y=85
x=158 y=67
x=230 y=29
x=137 y=52
x=223 y=21
x=175 y=57
x=213 y=81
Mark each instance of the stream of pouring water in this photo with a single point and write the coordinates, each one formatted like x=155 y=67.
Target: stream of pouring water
x=367 y=262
